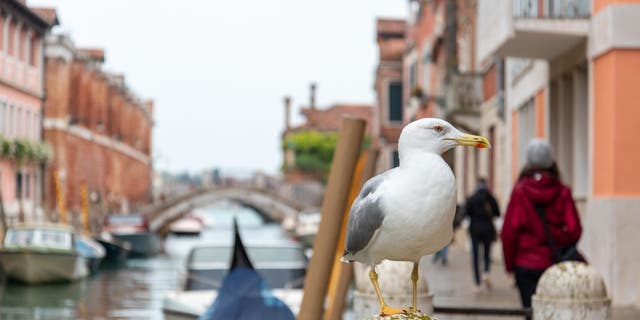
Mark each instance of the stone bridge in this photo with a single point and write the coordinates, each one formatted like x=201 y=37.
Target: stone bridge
x=266 y=202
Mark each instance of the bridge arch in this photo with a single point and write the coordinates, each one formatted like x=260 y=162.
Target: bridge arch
x=267 y=203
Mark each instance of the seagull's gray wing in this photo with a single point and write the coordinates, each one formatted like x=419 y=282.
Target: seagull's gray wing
x=366 y=215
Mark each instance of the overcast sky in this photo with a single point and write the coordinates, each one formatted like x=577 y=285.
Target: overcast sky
x=218 y=70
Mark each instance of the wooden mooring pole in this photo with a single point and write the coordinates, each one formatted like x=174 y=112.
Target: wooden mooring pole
x=333 y=208
x=342 y=273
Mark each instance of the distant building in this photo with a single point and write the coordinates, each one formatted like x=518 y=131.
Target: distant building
x=22 y=30
x=100 y=131
x=388 y=85
x=321 y=120
x=304 y=182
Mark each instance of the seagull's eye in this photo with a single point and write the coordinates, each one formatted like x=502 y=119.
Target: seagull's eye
x=438 y=128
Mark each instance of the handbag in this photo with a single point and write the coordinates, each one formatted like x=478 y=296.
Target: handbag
x=568 y=253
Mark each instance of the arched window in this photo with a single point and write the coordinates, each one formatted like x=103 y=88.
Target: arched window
x=34 y=55
x=11 y=35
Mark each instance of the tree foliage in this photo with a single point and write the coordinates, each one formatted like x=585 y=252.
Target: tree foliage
x=314 y=151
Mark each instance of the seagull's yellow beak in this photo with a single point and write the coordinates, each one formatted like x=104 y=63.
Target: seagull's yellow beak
x=469 y=140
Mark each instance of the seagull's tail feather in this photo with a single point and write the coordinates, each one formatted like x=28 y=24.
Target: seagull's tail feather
x=347 y=257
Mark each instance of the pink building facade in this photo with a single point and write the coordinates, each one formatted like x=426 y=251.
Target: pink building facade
x=22 y=30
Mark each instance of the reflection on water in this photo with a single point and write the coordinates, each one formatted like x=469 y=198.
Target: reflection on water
x=136 y=290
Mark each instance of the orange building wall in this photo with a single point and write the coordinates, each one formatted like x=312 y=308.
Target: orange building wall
x=601 y=4
x=514 y=145
x=616 y=120
x=540 y=116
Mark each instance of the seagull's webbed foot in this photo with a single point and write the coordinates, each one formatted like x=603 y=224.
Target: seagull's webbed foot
x=412 y=309
x=389 y=311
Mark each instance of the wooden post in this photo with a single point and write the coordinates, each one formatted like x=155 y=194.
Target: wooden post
x=333 y=208
x=62 y=211
x=342 y=273
x=84 y=197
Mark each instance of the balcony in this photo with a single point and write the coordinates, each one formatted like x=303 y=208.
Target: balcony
x=463 y=97
x=535 y=29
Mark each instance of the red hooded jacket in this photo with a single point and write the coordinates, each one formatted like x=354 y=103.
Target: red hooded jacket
x=523 y=237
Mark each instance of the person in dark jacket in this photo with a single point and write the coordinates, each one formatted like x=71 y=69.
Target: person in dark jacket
x=482 y=208
x=527 y=252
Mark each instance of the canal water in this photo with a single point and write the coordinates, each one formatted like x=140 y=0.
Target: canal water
x=136 y=290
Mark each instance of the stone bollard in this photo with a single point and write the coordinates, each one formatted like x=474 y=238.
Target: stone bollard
x=571 y=291
x=395 y=284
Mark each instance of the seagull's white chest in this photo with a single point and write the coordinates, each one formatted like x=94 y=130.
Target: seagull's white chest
x=419 y=207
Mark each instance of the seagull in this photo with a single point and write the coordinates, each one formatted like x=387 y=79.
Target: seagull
x=407 y=212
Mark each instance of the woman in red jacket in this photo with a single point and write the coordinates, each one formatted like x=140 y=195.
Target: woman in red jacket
x=527 y=252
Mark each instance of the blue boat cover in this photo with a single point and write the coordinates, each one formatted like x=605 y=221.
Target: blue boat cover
x=245 y=296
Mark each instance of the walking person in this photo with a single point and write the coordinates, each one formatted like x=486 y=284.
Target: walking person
x=482 y=208
x=442 y=254
x=540 y=222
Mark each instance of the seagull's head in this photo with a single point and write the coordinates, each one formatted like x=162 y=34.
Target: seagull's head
x=437 y=136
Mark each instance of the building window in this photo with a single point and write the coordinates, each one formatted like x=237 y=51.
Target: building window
x=11 y=124
x=21 y=44
x=34 y=51
x=395 y=158
x=27 y=186
x=12 y=38
x=36 y=126
x=395 y=101
x=3 y=118
x=526 y=130
x=492 y=158
x=27 y=129
x=19 y=184
x=413 y=73
x=426 y=67
x=18 y=132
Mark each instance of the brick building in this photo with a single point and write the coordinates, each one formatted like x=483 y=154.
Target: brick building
x=99 y=129
x=389 y=111
x=22 y=31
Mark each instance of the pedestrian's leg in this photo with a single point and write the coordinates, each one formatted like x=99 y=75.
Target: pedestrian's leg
x=445 y=251
x=527 y=280
x=487 y=255
x=474 y=255
x=436 y=256
x=486 y=250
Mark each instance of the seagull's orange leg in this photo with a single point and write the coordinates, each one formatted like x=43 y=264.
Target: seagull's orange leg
x=414 y=279
x=385 y=310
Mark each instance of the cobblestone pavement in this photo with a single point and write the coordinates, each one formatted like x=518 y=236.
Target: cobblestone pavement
x=452 y=285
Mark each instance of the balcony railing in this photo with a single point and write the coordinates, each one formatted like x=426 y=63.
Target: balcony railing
x=552 y=9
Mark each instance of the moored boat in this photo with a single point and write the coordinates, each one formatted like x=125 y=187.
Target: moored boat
x=42 y=254
x=134 y=229
x=92 y=250
x=116 y=251
x=189 y=225
x=280 y=267
x=307 y=227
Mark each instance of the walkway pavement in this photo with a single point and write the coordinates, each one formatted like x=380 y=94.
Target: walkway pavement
x=452 y=285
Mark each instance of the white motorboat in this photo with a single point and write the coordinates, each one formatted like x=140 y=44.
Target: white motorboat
x=42 y=254
x=282 y=266
x=307 y=226
x=190 y=225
